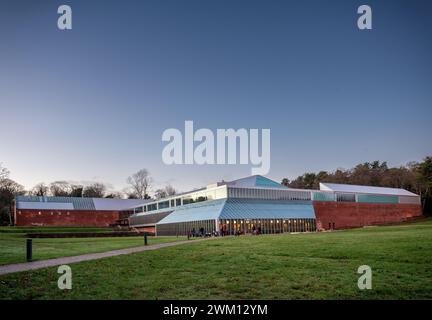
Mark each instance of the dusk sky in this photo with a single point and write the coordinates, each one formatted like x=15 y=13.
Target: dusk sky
x=91 y=103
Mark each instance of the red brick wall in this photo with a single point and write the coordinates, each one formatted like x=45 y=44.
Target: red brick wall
x=353 y=214
x=147 y=229
x=67 y=218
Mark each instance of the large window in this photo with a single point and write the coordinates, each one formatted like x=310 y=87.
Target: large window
x=183 y=228
x=152 y=207
x=266 y=226
x=345 y=197
x=269 y=194
x=187 y=200
x=163 y=204
x=139 y=210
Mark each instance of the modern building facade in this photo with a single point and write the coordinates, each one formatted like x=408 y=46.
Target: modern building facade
x=73 y=212
x=244 y=205
x=257 y=203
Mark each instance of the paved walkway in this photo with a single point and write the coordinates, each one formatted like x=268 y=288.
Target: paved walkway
x=19 y=267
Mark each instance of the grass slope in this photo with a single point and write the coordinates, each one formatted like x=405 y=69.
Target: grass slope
x=13 y=246
x=303 y=266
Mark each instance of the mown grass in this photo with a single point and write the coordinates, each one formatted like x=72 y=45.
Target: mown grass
x=51 y=229
x=13 y=246
x=302 y=266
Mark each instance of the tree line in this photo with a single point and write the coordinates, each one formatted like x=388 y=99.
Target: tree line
x=139 y=186
x=414 y=176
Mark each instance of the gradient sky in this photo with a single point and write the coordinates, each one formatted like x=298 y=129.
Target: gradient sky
x=91 y=103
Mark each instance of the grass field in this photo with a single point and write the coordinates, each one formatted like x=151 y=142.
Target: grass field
x=13 y=245
x=51 y=229
x=302 y=266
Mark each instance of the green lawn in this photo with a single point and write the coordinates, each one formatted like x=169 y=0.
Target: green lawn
x=13 y=246
x=51 y=229
x=302 y=266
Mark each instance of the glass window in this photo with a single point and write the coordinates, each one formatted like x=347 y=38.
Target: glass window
x=152 y=207
x=187 y=200
x=163 y=204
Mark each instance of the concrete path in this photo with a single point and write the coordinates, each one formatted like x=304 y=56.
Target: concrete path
x=26 y=266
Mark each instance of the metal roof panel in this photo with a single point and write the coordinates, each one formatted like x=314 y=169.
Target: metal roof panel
x=351 y=188
x=266 y=209
x=206 y=210
x=44 y=206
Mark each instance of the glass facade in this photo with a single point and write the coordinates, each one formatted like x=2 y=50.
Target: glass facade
x=377 y=198
x=269 y=194
x=265 y=226
x=235 y=226
x=183 y=228
x=151 y=207
x=179 y=200
x=345 y=197
x=139 y=210
x=163 y=204
x=323 y=196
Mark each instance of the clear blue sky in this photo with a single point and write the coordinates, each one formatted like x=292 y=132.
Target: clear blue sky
x=92 y=103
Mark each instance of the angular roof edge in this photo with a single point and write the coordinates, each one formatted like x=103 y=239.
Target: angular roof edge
x=76 y=203
x=256 y=181
x=352 y=188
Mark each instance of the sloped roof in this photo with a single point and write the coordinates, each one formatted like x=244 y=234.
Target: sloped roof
x=117 y=204
x=206 y=210
x=45 y=206
x=75 y=203
x=255 y=181
x=351 y=188
x=266 y=209
x=241 y=209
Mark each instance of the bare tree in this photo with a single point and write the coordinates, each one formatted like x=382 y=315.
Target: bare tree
x=95 y=190
x=131 y=195
x=41 y=189
x=160 y=194
x=8 y=190
x=140 y=184
x=165 y=192
x=76 y=191
x=60 y=189
x=4 y=173
x=170 y=190
x=115 y=195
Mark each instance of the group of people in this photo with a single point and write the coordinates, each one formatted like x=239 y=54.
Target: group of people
x=200 y=233
x=255 y=230
x=222 y=232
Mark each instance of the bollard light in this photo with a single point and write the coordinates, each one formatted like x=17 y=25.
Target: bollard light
x=29 y=250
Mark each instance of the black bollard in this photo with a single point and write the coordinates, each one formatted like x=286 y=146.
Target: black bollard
x=145 y=239
x=29 y=250
x=188 y=235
